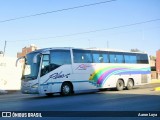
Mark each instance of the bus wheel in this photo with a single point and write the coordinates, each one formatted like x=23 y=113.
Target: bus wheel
x=120 y=85
x=66 y=89
x=130 y=84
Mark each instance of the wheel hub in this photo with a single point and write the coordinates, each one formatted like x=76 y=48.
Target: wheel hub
x=66 y=89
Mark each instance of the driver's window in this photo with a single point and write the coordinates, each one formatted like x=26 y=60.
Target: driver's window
x=45 y=65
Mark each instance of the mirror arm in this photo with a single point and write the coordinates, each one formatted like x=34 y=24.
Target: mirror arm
x=35 y=57
x=19 y=59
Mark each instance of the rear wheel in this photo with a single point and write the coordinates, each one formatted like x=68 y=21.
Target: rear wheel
x=66 y=89
x=120 y=85
x=130 y=84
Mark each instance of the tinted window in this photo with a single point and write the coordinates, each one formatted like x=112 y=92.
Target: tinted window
x=127 y=58
x=96 y=57
x=142 y=58
x=116 y=57
x=112 y=58
x=105 y=57
x=133 y=59
x=119 y=58
x=60 y=57
x=100 y=57
x=82 y=56
x=130 y=58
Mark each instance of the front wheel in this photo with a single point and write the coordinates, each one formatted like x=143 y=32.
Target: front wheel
x=66 y=89
x=120 y=85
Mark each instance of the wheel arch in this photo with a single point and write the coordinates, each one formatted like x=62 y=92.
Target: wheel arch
x=119 y=86
x=132 y=80
x=122 y=80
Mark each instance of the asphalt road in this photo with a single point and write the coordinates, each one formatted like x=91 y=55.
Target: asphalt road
x=142 y=98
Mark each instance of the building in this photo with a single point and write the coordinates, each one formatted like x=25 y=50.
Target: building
x=158 y=63
x=155 y=65
x=26 y=50
x=153 y=68
x=1 y=54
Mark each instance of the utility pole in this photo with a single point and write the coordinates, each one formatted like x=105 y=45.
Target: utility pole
x=107 y=44
x=89 y=43
x=5 y=44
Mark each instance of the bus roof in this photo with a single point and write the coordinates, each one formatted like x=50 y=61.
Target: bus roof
x=96 y=49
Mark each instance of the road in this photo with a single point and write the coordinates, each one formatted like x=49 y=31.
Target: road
x=142 y=98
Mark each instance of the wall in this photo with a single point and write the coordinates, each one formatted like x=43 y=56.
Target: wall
x=10 y=75
x=158 y=63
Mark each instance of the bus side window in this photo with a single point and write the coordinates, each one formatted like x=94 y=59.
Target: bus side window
x=130 y=58
x=82 y=56
x=119 y=58
x=100 y=57
x=112 y=58
x=105 y=58
x=96 y=58
x=142 y=58
x=59 y=58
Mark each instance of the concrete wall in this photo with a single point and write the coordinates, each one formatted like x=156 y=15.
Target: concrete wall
x=153 y=74
x=10 y=75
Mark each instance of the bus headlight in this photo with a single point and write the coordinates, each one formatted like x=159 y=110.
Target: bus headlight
x=35 y=85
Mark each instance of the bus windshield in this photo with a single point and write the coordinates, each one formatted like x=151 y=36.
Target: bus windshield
x=31 y=69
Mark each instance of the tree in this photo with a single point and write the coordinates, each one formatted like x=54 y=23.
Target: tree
x=152 y=57
x=1 y=52
x=135 y=50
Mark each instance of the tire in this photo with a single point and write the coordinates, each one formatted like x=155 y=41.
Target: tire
x=66 y=89
x=120 y=85
x=130 y=84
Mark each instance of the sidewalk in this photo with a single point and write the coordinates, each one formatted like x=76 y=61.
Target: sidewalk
x=3 y=92
x=156 y=81
x=8 y=91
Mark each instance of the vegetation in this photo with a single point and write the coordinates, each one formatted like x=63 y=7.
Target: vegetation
x=135 y=50
x=152 y=57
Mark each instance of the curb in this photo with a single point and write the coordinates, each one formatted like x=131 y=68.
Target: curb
x=157 y=89
x=155 y=81
x=3 y=92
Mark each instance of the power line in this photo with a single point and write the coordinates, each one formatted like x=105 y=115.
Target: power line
x=54 y=11
x=93 y=31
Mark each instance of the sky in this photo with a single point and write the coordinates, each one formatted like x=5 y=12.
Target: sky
x=59 y=29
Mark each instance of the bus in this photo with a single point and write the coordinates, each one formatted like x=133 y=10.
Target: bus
x=70 y=70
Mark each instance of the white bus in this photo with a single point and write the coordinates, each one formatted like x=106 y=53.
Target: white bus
x=69 y=70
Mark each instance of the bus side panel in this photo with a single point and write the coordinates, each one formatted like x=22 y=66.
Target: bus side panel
x=51 y=82
x=106 y=75
x=81 y=82
x=81 y=75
